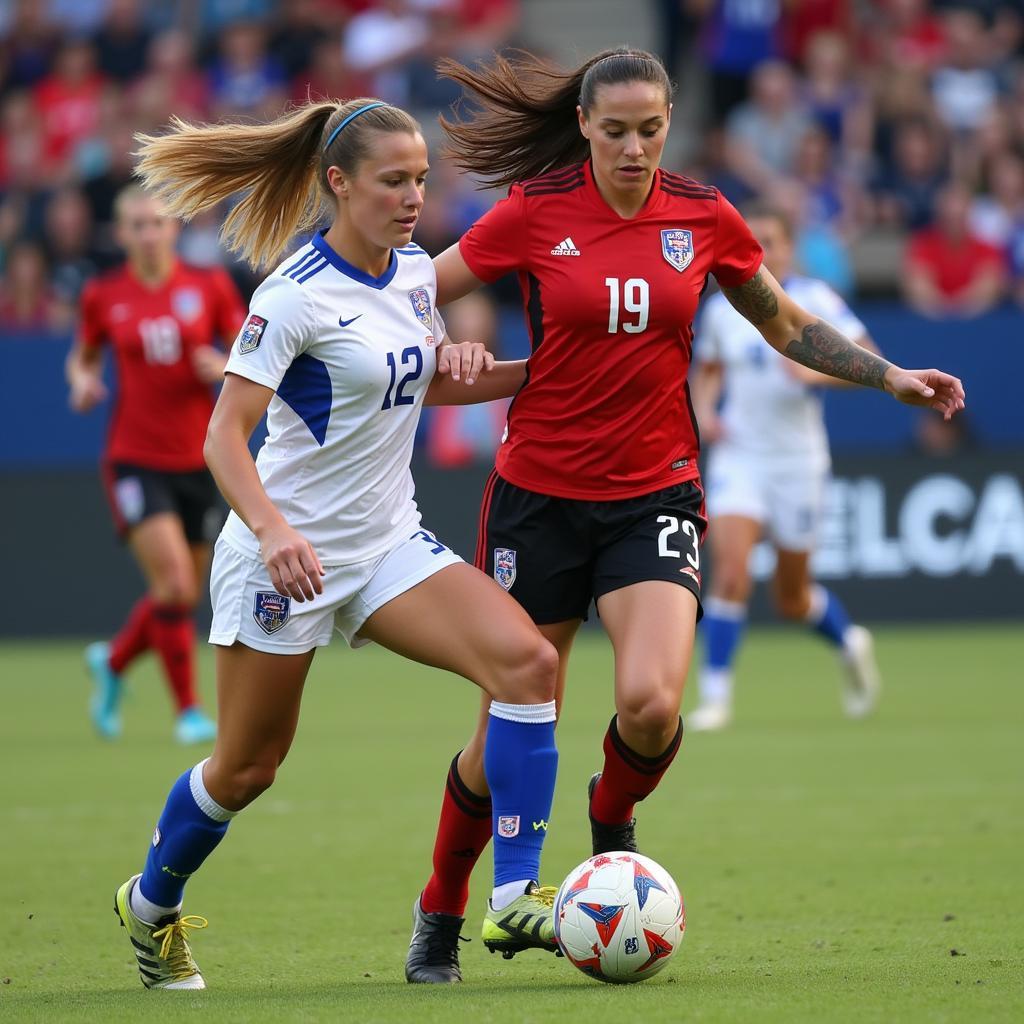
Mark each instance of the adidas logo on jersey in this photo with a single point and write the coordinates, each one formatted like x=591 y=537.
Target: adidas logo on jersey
x=566 y=247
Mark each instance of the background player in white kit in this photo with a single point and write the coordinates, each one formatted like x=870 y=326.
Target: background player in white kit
x=339 y=350
x=766 y=475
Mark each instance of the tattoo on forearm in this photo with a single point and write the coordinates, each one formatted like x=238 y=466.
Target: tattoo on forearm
x=754 y=300
x=821 y=347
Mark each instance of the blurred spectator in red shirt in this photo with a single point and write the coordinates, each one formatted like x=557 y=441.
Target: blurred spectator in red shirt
x=908 y=34
x=172 y=83
x=27 y=302
x=949 y=271
x=68 y=100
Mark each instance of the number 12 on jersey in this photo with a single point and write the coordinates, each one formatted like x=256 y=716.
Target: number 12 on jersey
x=634 y=297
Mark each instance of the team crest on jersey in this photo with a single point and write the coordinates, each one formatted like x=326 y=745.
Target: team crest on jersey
x=187 y=303
x=677 y=247
x=505 y=567
x=508 y=826
x=420 y=299
x=252 y=334
x=271 y=610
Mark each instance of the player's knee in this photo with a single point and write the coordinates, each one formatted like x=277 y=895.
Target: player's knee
x=529 y=677
x=177 y=587
x=731 y=582
x=651 y=713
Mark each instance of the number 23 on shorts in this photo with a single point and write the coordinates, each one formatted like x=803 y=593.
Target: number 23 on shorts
x=673 y=526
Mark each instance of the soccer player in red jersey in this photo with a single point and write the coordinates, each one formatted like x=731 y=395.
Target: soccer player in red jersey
x=596 y=493
x=163 y=320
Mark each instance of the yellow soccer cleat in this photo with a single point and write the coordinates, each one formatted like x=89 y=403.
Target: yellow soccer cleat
x=526 y=923
x=161 y=949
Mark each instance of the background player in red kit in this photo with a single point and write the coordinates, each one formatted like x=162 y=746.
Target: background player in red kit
x=163 y=320
x=595 y=494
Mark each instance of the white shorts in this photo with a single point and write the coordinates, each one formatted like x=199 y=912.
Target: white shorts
x=785 y=497
x=247 y=608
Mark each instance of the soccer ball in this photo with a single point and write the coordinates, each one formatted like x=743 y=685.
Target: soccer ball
x=619 y=917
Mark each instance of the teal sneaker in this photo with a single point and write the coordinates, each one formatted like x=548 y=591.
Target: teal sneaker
x=194 y=727
x=105 y=703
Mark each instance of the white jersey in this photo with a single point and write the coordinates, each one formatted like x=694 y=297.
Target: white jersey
x=766 y=411
x=349 y=357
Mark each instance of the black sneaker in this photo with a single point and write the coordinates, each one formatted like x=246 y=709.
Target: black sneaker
x=610 y=838
x=433 y=957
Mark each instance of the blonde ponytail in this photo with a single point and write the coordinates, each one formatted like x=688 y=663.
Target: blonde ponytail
x=281 y=168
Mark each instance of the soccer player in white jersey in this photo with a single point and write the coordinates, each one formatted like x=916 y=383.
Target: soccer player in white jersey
x=766 y=475
x=340 y=349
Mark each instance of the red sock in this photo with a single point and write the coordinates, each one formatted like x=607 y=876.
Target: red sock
x=173 y=634
x=133 y=637
x=462 y=835
x=628 y=777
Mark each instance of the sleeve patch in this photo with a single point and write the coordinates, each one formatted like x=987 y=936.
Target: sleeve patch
x=252 y=334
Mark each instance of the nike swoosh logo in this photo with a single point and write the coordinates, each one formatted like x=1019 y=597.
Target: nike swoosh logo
x=345 y=323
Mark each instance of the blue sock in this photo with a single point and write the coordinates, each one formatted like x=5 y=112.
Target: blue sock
x=189 y=830
x=723 y=625
x=520 y=762
x=827 y=616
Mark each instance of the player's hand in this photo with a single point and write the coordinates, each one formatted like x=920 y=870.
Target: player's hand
x=294 y=567
x=209 y=363
x=464 y=359
x=930 y=388
x=87 y=391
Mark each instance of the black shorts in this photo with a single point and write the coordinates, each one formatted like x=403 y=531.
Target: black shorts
x=556 y=555
x=136 y=493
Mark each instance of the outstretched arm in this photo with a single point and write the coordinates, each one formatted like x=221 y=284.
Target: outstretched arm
x=815 y=343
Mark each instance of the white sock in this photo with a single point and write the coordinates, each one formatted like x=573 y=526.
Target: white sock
x=715 y=686
x=503 y=895
x=146 y=911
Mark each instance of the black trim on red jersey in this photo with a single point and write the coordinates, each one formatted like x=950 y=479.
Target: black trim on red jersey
x=680 y=181
x=570 y=186
x=552 y=177
x=687 y=193
x=693 y=415
x=535 y=313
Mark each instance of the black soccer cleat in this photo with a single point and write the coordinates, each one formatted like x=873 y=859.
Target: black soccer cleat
x=609 y=838
x=433 y=957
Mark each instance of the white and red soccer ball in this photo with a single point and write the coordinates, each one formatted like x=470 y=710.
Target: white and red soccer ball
x=619 y=917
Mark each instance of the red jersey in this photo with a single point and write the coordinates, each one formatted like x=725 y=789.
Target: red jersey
x=605 y=410
x=953 y=265
x=162 y=408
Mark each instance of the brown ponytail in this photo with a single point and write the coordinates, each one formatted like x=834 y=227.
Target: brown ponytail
x=526 y=123
x=281 y=166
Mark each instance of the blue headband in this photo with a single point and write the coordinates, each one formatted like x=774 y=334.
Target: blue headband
x=351 y=117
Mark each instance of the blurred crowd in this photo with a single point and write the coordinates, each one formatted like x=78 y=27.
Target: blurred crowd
x=890 y=131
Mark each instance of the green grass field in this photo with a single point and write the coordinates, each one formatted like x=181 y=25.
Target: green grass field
x=829 y=868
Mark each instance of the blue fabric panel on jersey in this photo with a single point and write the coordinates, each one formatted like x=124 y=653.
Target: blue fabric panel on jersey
x=354 y=272
x=520 y=762
x=722 y=637
x=306 y=387
x=184 y=838
x=834 y=621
